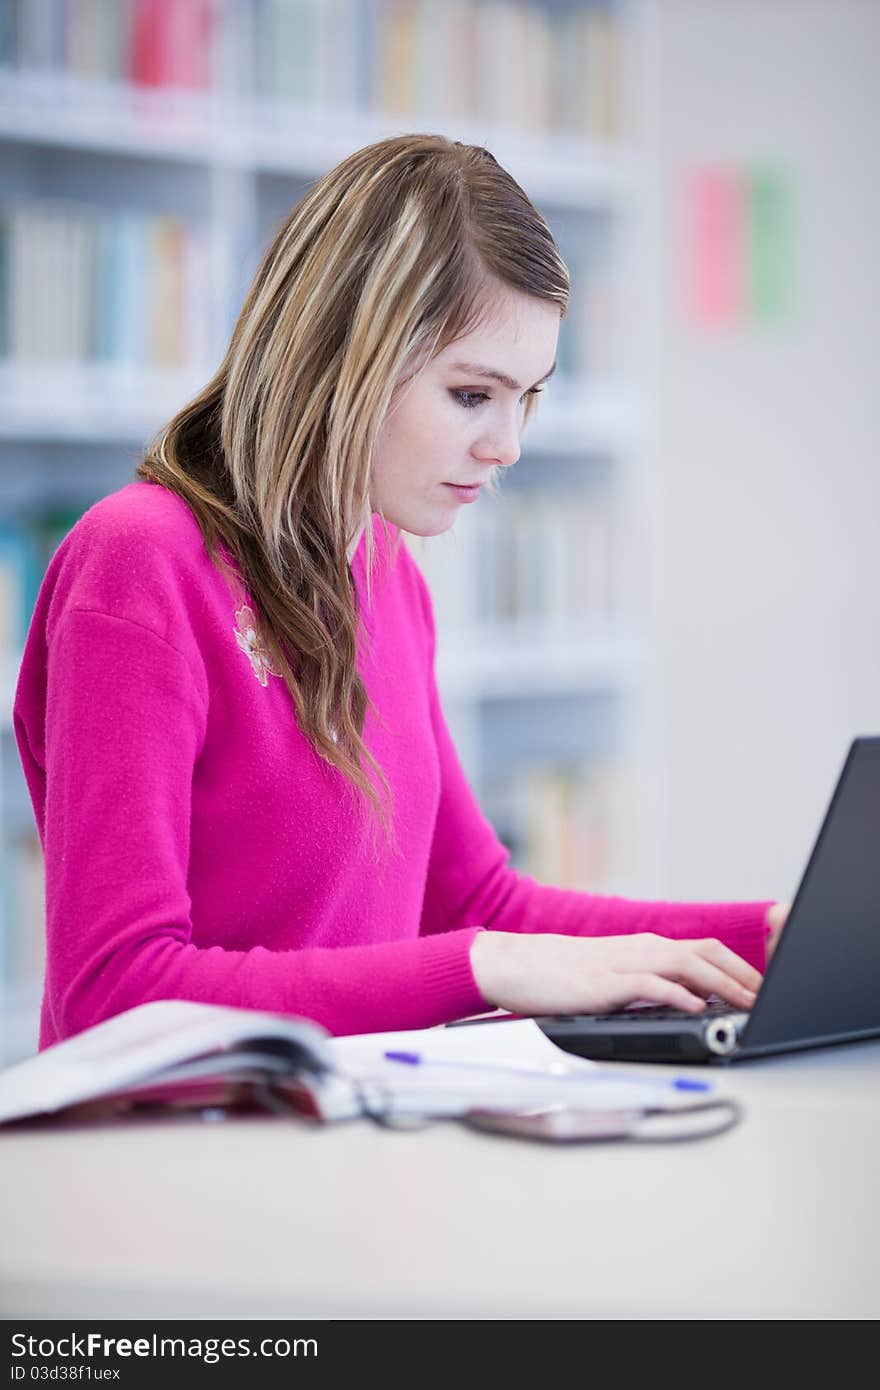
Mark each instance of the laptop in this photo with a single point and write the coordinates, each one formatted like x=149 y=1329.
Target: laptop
x=823 y=982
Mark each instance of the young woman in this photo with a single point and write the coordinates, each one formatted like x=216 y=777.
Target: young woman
x=227 y=714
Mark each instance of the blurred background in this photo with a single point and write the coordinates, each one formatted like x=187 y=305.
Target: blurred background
x=657 y=644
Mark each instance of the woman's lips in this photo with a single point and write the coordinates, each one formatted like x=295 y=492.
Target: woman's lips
x=466 y=492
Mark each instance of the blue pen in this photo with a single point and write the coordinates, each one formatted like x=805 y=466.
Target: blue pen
x=678 y=1083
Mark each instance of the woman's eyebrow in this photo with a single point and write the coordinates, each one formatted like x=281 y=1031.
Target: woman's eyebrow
x=495 y=375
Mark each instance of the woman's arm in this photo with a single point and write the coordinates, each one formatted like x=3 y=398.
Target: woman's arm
x=125 y=721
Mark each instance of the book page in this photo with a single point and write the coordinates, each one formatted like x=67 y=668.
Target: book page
x=145 y=1042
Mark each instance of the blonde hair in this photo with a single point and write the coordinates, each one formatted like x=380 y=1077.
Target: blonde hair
x=387 y=259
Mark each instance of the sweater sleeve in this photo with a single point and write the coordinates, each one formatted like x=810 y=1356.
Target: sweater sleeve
x=126 y=717
x=471 y=882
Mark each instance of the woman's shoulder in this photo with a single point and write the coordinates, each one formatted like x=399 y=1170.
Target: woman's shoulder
x=142 y=511
x=142 y=527
x=136 y=553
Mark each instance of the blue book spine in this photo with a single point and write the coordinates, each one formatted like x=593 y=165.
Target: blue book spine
x=123 y=285
x=20 y=576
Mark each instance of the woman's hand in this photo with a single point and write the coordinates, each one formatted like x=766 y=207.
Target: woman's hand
x=777 y=915
x=546 y=973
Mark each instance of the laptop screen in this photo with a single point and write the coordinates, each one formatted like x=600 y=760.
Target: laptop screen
x=824 y=979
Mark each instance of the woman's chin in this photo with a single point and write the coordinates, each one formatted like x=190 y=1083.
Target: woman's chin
x=427 y=522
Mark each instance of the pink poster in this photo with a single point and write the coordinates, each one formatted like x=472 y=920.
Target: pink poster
x=714 y=247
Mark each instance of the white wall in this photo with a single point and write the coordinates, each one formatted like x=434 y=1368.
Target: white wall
x=768 y=445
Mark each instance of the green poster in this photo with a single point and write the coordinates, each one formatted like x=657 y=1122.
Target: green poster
x=771 y=244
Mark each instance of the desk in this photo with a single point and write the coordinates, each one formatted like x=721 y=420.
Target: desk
x=264 y=1217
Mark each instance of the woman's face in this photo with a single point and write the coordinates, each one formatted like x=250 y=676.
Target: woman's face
x=454 y=423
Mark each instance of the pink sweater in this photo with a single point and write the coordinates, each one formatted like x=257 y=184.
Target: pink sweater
x=195 y=845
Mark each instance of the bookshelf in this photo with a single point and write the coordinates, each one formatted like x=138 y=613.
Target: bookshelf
x=177 y=145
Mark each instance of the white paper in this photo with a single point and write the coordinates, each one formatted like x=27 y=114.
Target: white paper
x=505 y=1064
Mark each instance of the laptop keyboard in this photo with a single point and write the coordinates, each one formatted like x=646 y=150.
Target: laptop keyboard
x=712 y=1010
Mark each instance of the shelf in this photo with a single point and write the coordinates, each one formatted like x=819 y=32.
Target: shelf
x=100 y=401
x=509 y=663
x=58 y=109
x=585 y=415
x=92 y=401
x=285 y=137
x=229 y=164
x=495 y=663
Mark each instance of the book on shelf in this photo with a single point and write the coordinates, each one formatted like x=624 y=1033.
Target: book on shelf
x=516 y=64
x=564 y=824
x=540 y=562
x=27 y=544
x=23 y=914
x=586 y=347
x=20 y=575
x=49 y=524
x=79 y=283
x=168 y=44
x=176 y=1055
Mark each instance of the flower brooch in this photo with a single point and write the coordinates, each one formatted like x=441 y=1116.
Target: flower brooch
x=249 y=638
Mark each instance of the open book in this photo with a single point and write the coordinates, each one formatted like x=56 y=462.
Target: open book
x=176 y=1054
x=173 y=1054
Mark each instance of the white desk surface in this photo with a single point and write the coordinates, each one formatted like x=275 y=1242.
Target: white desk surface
x=265 y=1217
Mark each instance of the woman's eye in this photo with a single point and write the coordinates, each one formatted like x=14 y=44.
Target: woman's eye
x=470 y=399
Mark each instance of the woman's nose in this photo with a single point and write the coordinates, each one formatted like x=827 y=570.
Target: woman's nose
x=501 y=446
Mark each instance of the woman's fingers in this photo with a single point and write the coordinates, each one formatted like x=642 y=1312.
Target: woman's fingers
x=703 y=967
x=658 y=989
x=708 y=979
x=732 y=964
